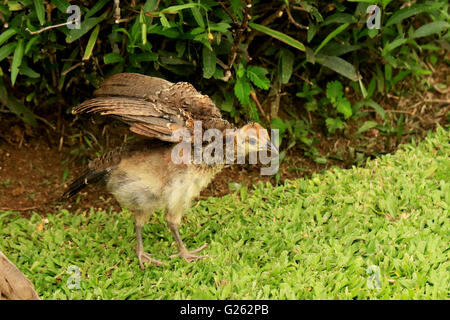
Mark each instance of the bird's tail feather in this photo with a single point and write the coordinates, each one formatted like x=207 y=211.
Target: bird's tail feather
x=88 y=177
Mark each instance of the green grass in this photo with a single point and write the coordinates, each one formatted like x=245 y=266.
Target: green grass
x=308 y=239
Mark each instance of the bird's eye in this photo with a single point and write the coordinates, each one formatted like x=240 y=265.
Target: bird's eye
x=252 y=141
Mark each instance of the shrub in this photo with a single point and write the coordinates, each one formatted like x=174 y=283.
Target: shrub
x=246 y=54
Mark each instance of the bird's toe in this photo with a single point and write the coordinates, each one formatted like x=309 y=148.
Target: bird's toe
x=145 y=257
x=190 y=256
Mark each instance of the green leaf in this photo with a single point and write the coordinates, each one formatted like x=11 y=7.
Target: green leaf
x=405 y=13
x=145 y=57
x=321 y=160
x=334 y=90
x=112 y=57
x=286 y=65
x=430 y=28
x=253 y=111
x=366 y=127
x=227 y=104
x=197 y=16
x=164 y=22
x=97 y=7
x=372 y=33
x=345 y=18
x=240 y=71
x=40 y=11
x=392 y=45
x=331 y=36
x=16 y=106
x=242 y=90
x=6 y=35
x=344 y=107
x=30 y=43
x=27 y=71
x=334 y=48
x=334 y=124
x=279 y=36
x=175 y=9
x=17 y=61
x=7 y=49
x=150 y=5
x=220 y=27
x=387 y=72
x=144 y=33
x=378 y=109
x=14 y=6
x=61 y=5
x=363 y=88
x=209 y=62
x=257 y=75
x=91 y=43
x=279 y=124
x=400 y=76
x=338 y=65
x=311 y=32
x=380 y=79
x=372 y=86
x=86 y=25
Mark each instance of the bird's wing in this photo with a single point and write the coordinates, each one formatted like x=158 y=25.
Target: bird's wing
x=153 y=107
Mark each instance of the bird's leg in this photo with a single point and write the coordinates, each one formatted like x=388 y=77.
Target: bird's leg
x=143 y=256
x=189 y=256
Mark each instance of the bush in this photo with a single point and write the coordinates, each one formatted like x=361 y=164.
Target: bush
x=319 y=51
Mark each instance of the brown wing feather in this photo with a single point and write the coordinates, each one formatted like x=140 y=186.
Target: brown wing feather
x=153 y=107
x=132 y=85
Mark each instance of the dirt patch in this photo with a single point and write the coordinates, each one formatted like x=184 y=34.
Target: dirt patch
x=37 y=164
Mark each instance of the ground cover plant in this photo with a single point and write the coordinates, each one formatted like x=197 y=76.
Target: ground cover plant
x=378 y=232
x=304 y=67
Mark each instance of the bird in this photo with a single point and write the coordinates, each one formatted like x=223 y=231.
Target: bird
x=143 y=175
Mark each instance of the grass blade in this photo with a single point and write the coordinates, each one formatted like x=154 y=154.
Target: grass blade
x=209 y=62
x=91 y=43
x=112 y=57
x=405 y=13
x=430 y=28
x=7 y=49
x=279 y=36
x=6 y=35
x=61 y=5
x=17 y=61
x=331 y=36
x=286 y=65
x=86 y=25
x=97 y=7
x=338 y=65
x=40 y=11
x=197 y=16
x=175 y=9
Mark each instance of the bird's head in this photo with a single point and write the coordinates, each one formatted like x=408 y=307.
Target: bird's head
x=253 y=138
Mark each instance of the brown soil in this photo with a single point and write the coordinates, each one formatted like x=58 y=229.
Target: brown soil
x=34 y=161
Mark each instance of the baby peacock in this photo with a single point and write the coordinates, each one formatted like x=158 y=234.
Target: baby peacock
x=159 y=172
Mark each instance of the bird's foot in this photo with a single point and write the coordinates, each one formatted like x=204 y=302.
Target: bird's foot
x=190 y=256
x=145 y=257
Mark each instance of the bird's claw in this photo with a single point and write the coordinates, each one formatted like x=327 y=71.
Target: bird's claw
x=145 y=257
x=190 y=256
